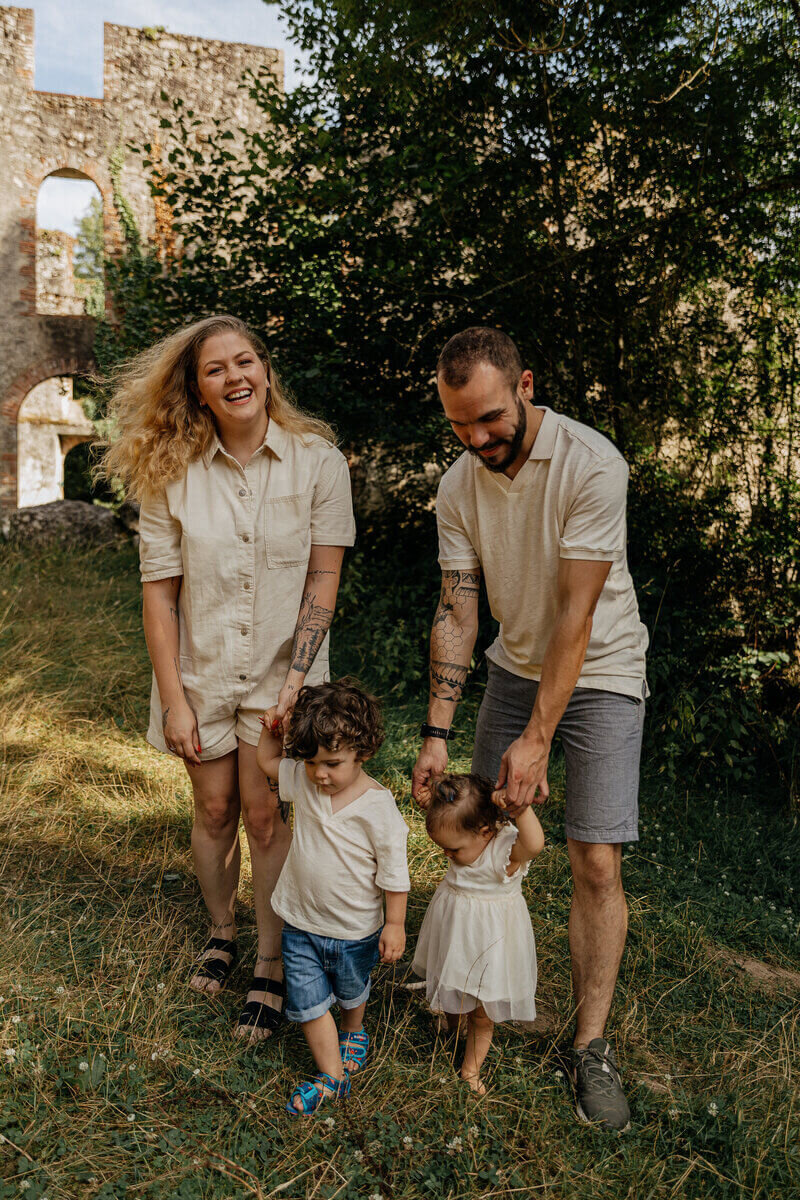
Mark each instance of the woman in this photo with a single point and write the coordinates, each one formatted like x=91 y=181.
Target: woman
x=246 y=512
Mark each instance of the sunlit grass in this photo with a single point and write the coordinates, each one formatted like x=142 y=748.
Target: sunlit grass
x=116 y=1080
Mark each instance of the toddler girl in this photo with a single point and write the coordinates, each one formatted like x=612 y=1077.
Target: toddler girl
x=476 y=950
x=348 y=851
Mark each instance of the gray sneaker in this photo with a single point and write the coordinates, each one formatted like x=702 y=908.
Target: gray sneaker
x=598 y=1089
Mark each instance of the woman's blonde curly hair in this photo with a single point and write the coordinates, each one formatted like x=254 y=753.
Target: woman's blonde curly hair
x=158 y=423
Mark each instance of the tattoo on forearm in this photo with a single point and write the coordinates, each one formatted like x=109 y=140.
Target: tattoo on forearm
x=321 y=572
x=313 y=622
x=459 y=587
x=164 y=715
x=283 y=806
x=178 y=672
x=173 y=612
x=448 y=673
x=447 y=680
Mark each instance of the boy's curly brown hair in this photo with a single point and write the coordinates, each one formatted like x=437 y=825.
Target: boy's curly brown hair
x=464 y=801
x=338 y=715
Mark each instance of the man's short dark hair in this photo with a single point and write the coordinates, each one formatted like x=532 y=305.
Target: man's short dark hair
x=335 y=716
x=479 y=344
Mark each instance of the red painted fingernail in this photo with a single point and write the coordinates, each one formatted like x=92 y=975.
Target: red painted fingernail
x=199 y=749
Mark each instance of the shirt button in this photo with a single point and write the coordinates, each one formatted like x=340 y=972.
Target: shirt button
x=244 y=631
x=243 y=677
x=242 y=491
x=247 y=585
x=245 y=537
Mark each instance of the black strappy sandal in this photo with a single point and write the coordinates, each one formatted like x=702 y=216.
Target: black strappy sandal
x=258 y=1015
x=216 y=969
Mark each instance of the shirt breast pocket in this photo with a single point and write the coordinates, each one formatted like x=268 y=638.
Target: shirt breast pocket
x=288 y=530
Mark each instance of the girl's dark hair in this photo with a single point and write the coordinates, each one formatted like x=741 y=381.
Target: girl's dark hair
x=464 y=801
x=335 y=716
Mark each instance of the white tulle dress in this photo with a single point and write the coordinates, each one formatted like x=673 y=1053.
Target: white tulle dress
x=476 y=943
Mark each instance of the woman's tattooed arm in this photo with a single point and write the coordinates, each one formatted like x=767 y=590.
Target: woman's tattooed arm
x=313 y=620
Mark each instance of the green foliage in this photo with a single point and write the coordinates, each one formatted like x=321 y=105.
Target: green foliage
x=613 y=186
x=89 y=242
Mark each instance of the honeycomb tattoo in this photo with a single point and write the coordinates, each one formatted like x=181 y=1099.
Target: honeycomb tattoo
x=448 y=674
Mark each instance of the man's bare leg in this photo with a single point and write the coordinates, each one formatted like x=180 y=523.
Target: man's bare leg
x=215 y=850
x=598 y=925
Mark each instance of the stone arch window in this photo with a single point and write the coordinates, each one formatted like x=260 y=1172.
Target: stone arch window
x=50 y=422
x=69 y=245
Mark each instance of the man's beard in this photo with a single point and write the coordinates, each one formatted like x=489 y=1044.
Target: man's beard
x=513 y=443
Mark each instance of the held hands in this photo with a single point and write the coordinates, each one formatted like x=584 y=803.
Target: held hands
x=392 y=942
x=431 y=761
x=272 y=722
x=181 y=735
x=287 y=698
x=523 y=773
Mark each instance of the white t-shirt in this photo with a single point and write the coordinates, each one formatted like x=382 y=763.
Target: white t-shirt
x=339 y=863
x=567 y=501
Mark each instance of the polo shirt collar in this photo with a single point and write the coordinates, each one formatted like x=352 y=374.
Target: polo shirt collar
x=545 y=441
x=275 y=440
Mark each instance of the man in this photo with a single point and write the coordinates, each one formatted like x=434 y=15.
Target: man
x=537 y=503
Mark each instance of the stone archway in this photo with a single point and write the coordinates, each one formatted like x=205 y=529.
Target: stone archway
x=24 y=386
x=50 y=422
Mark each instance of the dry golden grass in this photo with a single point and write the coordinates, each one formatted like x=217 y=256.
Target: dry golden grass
x=116 y=1080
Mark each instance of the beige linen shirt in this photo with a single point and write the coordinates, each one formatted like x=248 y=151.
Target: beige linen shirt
x=241 y=539
x=567 y=501
x=339 y=863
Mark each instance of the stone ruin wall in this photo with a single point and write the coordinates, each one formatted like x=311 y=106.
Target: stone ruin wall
x=46 y=133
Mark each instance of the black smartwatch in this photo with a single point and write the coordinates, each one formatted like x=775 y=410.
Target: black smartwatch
x=435 y=731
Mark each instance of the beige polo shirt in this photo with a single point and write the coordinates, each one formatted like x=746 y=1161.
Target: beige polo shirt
x=241 y=538
x=567 y=501
x=339 y=864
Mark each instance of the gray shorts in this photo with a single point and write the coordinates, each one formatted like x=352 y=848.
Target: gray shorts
x=601 y=733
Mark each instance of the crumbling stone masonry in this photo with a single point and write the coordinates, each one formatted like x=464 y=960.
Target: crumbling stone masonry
x=45 y=133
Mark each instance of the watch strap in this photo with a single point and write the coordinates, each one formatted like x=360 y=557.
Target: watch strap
x=435 y=731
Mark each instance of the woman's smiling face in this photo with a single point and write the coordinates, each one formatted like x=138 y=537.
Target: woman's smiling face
x=232 y=381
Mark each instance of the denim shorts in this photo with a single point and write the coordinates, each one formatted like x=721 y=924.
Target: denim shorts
x=601 y=733
x=322 y=971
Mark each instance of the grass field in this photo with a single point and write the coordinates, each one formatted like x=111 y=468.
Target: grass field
x=117 y=1081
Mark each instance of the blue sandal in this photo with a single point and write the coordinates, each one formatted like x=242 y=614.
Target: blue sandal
x=353 y=1048
x=312 y=1096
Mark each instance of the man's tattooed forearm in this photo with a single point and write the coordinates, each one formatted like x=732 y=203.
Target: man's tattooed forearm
x=313 y=622
x=447 y=680
x=459 y=588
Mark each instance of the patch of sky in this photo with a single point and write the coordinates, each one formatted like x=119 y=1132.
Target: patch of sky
x=69 y=37
x=61 y=203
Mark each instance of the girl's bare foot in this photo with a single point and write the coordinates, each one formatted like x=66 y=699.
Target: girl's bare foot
x=474 y=1081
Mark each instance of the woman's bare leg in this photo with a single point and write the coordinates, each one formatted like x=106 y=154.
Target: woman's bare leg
x=215 y=849
x=269 y=836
